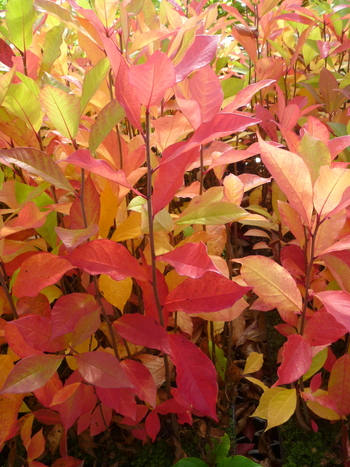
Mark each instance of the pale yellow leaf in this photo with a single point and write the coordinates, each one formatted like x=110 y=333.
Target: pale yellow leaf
x=264 y=402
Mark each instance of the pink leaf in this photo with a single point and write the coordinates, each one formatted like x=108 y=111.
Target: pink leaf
x=338 y=145
x=337 y=303
x=195 y=375
x=107 y=257
x=153 y=78
x=143 y=330
x=39 y=271
x=73 y=238
x=191 y=260
x=297 y=358
x=212 y=292
x=31 y=373
x=201 y=53
x=102 y=369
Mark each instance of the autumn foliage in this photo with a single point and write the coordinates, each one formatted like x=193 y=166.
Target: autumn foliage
x=148 y=156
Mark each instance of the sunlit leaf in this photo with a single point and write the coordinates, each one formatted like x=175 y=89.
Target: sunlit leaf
x=106 y=120
x=297 y=358
x=92 y=81
x=62 y=109
x=20 y=17
x=281 y=408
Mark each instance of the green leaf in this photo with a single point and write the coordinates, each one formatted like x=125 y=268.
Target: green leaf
x=221 y=448
x=24 y=104
x=214 y=214
x=37 y=163
x=49 y=79
x=231 y=86
x=20 y=17
x=238 y=461
x=106 y=120
x=47 y=231
x=62 y=109
x=52 y=44
x=190 y=462
x=92 y=81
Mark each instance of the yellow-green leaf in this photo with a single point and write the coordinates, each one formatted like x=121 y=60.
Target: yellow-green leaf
x=281 y=407
x=23 y=103
x=92 y=81
x=20 y=17
x=214 y=214
x=106 y=120
x=62 y=109
x=317 y=363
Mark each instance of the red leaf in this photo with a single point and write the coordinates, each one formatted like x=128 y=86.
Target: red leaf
x=102 y=369
x=201 y=53
x=68 y=462
x=68 y=402
x=47 y=392
x=170 y=175
x=100 y=421
x=297 y=358
x=6 y=54
x=68 y=310
x=31 y=373
x=323 y=329
x=195 y=375
x=107 y=257
x=36 y=446
x=17 y=343
x=153 y=78
x=47 y=417
x=119 y=399
x=191 y=260
x=39 y=271
x=337 y=303
x=212 y=292
x=83 y=158
x=143 y=330
x=152 y=425
x=141 y=378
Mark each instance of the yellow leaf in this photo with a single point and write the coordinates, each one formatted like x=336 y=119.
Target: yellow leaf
x=116 y=292
x=257 y=382
x=109 y=208
x=254 y=363
x=281 y=407
x=51 y=292
x=265 y=399
x=130 y=228
x=173 y=279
